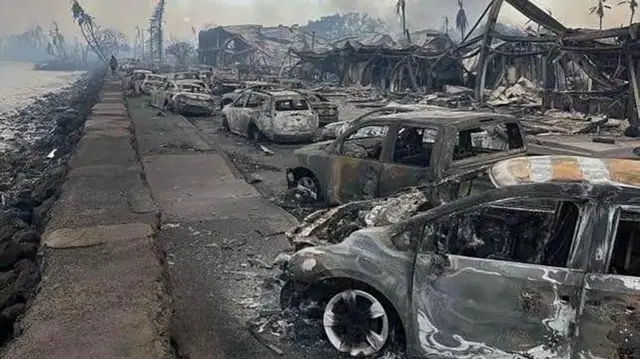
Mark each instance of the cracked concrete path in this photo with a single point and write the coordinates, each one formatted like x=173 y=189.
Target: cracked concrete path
x=213 y=222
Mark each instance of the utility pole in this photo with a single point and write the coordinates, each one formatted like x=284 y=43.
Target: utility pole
x=151 y=40
x=159 y=18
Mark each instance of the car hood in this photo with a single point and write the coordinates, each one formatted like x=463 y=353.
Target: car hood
x=315 y=147
x=333 y=225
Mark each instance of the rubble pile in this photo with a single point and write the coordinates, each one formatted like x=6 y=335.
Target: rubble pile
x=33 y=169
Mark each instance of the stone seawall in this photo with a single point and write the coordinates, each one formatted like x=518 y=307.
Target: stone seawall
x=33 y=165
x=104 y=291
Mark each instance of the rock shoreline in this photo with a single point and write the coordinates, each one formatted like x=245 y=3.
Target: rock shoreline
x=32 y=171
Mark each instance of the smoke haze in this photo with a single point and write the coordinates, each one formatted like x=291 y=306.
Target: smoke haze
x=181 y=15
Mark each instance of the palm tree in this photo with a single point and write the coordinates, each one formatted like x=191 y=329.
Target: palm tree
x=85 y=21
x=400 y=10
x=599 y=10
x=633 y=4
x=461 y=20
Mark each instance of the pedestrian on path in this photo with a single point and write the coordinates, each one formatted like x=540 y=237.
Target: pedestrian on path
x=114 y=65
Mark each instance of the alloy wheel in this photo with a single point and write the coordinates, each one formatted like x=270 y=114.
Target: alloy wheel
x=356 y=323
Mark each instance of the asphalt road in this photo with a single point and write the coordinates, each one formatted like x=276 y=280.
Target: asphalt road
x=222 y=236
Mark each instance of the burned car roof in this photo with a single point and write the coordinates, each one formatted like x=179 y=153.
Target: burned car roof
x=440 y=117
x=552 y=169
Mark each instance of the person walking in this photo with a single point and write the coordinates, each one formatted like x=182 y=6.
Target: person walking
x=113 y=63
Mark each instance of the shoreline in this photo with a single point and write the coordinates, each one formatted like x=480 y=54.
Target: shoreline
x=32 y=171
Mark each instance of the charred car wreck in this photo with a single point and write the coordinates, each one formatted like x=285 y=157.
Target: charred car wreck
x=380 y=155
x=279 y=115
x=544 y=265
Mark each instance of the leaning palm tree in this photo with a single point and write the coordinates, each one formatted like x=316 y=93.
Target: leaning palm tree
x=400 y=10
x=633 y=5
x=461 y=20
x=599 y=10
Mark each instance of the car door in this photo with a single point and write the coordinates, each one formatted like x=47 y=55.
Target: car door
x=251 y=111
x=412 y=160
x=498 y=279
x=234 y=113
x=356 y=166
x=608 y=322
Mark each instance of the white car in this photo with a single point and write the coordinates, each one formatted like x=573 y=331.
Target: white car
x=152 y=82
x=280 y=116
x=185 y=97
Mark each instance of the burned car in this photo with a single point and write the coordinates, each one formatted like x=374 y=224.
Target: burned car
x=544 y=266
x=280 y=116
x=327 y=111
x=184 y=97
x=187 y=75
x=379 y=155
x=333 y=130
x=152 y=82
x=134 y=81
x=231 y=96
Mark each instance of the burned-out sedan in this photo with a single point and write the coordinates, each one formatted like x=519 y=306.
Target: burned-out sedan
x=184 y=97
x=379 y=155
x=545 y=266
x=280 y=116
x=151 y=83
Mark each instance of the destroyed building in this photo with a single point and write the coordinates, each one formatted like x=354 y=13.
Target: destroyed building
x=384 y=64
x=253 y=48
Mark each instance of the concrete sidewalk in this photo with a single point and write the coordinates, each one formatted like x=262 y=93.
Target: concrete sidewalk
x=104 y=292
x=213 y=222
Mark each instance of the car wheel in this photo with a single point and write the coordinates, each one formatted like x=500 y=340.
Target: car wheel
x=310 y=184
x=356 y=323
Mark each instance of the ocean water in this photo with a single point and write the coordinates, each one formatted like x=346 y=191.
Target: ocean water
x=20 y=84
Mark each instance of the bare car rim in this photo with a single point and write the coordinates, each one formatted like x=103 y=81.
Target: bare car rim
x=309 y=184
x=356 y=323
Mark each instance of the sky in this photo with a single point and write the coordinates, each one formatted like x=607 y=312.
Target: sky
x=182 y=15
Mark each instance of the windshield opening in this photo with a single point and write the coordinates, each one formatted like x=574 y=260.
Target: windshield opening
x=296 y=104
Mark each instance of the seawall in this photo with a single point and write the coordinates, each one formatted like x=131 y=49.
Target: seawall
x=104 y=291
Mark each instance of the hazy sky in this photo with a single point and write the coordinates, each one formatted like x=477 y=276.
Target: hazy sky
x=17 y=15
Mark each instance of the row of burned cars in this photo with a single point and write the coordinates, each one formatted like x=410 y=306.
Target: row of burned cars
x=450 y=235
x=253 y=109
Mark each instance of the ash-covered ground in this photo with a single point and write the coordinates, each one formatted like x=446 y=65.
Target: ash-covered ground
x=33 y=166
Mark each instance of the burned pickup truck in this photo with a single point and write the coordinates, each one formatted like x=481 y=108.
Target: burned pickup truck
x=544 y=266
x=379 y=155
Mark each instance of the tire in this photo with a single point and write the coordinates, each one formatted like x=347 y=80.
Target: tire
x=357 y=324
x=307 y=180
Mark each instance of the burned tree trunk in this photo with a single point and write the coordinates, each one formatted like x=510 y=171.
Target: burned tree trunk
x=485 y=47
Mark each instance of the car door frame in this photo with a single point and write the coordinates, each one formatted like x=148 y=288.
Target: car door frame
x=249 y=113
x=612 y=296
x=406 y=175
x=234 y=112
x=365 y=171
x=575 y=268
